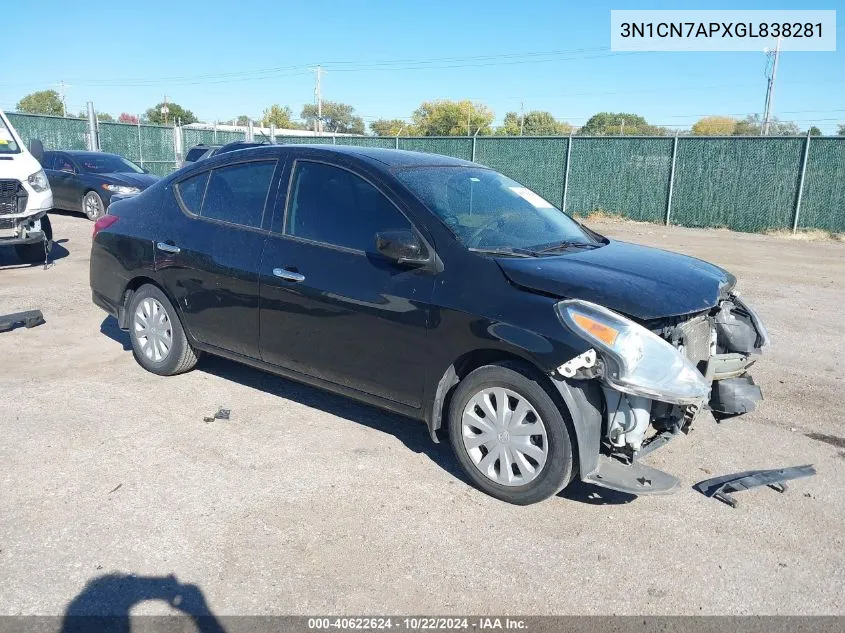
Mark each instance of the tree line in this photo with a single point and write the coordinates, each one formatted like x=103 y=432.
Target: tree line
x=436 y=118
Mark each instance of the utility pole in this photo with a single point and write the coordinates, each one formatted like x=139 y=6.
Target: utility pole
x=165 y=110
x=521 y=117
x=62 y=86
x=469 y=113
x=622 y=128
x=770 y=89
x=318 y=99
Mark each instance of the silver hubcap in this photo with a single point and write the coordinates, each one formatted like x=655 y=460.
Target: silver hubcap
x=93 y=205
x=152 y=330
x=504 y=437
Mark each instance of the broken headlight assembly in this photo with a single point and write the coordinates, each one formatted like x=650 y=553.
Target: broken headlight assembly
x=636 y=361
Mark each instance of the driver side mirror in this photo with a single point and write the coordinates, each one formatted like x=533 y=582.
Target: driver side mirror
x=36 y=148
x=402 y=246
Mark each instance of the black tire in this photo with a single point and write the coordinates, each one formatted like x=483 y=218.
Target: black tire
x=180 y=356
x=558 y=469
x=37 y=252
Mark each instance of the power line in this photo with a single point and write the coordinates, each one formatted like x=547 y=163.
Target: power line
x=362 y=64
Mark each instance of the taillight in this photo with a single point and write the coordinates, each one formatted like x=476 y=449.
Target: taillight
x=103 y=222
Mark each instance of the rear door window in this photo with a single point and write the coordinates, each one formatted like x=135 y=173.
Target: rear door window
x=238 y=193
x=192 y=190
x=332 y=205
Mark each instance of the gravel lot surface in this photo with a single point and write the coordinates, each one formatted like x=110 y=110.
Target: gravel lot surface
x=308 y=503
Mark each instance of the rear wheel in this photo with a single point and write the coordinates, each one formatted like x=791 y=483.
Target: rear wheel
x=509 y=435
x=37 y=252
x=158 y=340
x=93 y=205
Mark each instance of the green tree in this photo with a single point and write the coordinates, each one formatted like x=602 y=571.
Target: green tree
x=175 y=113
x=242 y=120
x=510 y=126
x=619 y=123
x=841 y=130
x=277 y=115
x=452 y=118
x=814 y=131
x=337 y=117
x=535 y=123
x=391 y=127
x=41 y=102
x=101 y=116
x=752 y=125
x=714 y=126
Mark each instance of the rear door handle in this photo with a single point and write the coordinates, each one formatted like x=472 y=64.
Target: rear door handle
x=167 y=248
x=288 y=275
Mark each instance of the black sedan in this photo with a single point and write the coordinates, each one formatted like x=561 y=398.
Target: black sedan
x=86 y=181
x=439 y=289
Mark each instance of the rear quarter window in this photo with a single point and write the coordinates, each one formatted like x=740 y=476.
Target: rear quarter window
x=191 y=191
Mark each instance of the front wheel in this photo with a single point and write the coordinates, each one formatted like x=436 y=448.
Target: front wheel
x=93 y=205
x=509 y=435
x=158 y=340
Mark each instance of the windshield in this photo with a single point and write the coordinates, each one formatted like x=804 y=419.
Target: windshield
x=8 y=145
x=486 y=210
x=107 y=164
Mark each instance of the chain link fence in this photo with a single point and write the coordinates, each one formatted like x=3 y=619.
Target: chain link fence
x=750 y=184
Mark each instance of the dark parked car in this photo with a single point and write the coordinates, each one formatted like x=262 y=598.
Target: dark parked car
x=439 y=289
x=200 y=152
x=86 y=181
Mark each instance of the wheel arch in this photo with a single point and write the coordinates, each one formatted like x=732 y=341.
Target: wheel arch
x=131 y=288
x=580 y=402
x=459 y=368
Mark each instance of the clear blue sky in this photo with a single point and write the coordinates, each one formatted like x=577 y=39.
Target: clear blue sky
x=222 y=59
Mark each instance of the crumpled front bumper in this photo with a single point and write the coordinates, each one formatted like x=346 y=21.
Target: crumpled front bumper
x=21 y=229
x=612 y=438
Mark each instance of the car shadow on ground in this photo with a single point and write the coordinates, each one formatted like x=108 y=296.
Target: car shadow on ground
x=105 y=604
x=9 y=259
x=411 y=433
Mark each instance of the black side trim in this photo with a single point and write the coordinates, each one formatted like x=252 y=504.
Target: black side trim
x=583 y=399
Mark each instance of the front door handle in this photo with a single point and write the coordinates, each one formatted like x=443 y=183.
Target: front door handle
x=288 y=275
x=167 y=248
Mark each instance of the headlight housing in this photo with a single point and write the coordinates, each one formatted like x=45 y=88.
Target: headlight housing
x=38 y=181
x=637 y=361
x=120 y=188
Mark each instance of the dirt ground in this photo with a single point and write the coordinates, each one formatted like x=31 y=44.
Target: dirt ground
x=307 y=503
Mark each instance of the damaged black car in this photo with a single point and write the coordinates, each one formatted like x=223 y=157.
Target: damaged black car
x=439 y=289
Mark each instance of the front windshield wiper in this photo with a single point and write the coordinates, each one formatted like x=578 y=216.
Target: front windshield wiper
x=506 y=251
x=560 y=246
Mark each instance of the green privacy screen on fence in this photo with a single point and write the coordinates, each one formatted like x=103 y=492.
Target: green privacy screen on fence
x=151 y=146
x=624 y=176
x=743 y=183
x=54 y=132
x=823 y=199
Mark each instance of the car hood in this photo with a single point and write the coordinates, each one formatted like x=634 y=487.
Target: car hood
x=639 y=281
x=142 y=181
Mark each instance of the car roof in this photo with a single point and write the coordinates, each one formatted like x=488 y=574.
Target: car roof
x=389 y=157
x=84 y=153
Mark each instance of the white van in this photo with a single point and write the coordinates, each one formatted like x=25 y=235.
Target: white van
x=25 y=196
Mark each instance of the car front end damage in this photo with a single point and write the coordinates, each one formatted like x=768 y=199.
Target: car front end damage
x=647 y=382
x=22 y=207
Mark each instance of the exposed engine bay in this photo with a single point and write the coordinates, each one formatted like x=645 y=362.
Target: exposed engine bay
x=721 y=343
